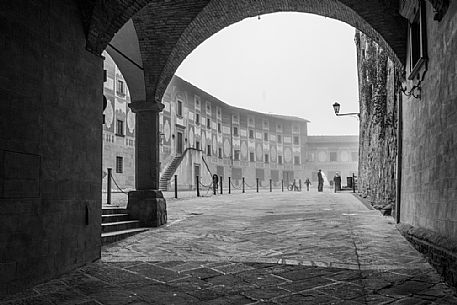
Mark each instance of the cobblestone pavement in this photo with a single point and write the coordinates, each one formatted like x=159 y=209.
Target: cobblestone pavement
x=278 y=248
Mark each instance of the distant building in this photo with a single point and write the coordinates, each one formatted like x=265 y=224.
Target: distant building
x=202 y=136
x=333 y=154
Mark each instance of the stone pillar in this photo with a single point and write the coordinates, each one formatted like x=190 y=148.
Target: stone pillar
x=146 y=203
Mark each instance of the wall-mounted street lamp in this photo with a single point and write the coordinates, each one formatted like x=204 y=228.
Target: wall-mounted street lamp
x=337 y=106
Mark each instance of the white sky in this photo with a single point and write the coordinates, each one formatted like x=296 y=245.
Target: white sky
x=285 y=63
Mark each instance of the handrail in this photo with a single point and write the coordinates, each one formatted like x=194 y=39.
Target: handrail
x=179 y=160
x=207 y=167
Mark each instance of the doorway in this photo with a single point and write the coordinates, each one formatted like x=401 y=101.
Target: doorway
x=179 y=143
x=197 y=173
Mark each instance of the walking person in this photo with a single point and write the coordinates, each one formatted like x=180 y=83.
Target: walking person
x=307 y=182
x=320 y=180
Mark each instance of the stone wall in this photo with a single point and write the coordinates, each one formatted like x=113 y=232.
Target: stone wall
x=50 y=147
x=378 y=91
x=429 y=163
x=428 y=187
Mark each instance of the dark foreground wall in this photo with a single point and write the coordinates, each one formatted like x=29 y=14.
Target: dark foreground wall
x=429 y=171
x=50 y=147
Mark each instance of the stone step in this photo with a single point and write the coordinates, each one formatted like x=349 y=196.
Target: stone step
x=115 y=217
x=110 y=237
x=120 y=226
x=109 y=211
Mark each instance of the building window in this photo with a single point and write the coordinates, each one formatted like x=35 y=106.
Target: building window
x=120 y=128
x=120 y=87
x=219 y=128
x=279 y=159
x=179 y=108
x=333 y=156
x=251 y=157
x=236 y=155
x=119 y=165
x=251 y=134
x=296 y=160
x=208 y=123
x=220 y=153
x=197 y=145
x=354 y=156
x=235 y=131
x=417 y=41
x=208 y=152
x=267 y=158
x=197 y=118
x=296 y=141
x=265 y=136
x=197 y=102
x=279 y=137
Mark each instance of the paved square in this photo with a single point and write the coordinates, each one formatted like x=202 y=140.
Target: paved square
x=266 y=248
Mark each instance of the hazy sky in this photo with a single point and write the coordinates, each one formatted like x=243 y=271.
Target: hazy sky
x=285 y=63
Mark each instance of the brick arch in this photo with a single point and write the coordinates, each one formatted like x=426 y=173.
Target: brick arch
x=124 y=49
x=102 y=19
x=168 y=34
x=169 y=30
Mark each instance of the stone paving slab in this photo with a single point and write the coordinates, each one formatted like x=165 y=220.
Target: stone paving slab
x=280 y=248
x=251 y=283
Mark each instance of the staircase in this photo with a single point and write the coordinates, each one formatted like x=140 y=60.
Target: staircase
x=117 y=225
x=171 y=169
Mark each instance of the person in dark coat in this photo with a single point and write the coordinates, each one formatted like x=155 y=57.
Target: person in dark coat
x=307 y=182
x=337 y=181
x=320 y=181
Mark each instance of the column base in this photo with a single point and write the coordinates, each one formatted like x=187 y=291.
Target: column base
x=149 y=207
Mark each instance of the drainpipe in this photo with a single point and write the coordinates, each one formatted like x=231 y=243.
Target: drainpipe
x=399 y=157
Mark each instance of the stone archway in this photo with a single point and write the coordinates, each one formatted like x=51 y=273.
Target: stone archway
x=168 y=32
x=150 y=47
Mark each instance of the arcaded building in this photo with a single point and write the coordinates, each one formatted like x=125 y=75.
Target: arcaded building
x=201 y=136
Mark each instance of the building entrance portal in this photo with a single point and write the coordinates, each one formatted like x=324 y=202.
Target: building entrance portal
x=288 y=177
x=179 y=143
x=196 y=173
